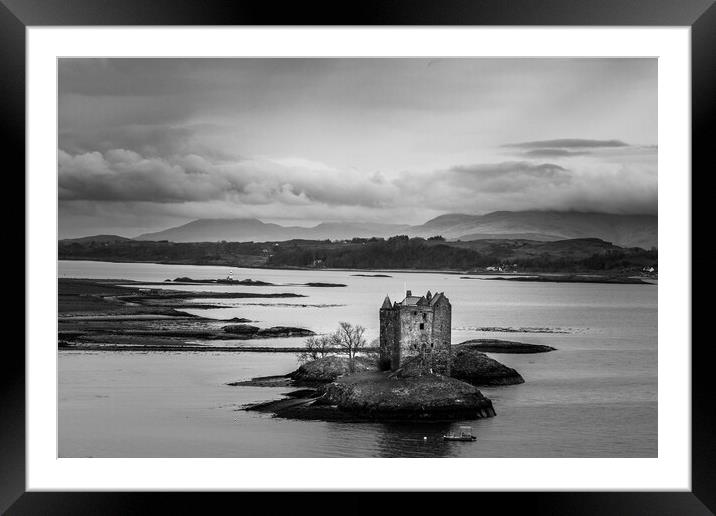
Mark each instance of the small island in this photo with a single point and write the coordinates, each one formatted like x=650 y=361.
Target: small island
x=414 y=375
x=221 y=281
x=384 y=396
x=502 y=346
x=246 y=331
x=229 y=280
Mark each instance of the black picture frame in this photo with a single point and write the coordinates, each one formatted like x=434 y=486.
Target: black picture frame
x=17 y=15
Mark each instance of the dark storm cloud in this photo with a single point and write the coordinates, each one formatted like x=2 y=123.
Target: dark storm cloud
x=567 y=143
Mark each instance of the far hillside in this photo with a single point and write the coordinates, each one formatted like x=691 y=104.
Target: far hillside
x=96 y=239
x=400 y=252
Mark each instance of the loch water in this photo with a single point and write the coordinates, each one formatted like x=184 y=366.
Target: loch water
x=596 y=396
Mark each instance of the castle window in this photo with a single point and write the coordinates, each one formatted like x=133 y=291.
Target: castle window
x=422 y=326
x=415 y=313
x=425 y=316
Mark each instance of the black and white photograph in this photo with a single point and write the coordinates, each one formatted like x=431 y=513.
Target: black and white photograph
x=357 y=257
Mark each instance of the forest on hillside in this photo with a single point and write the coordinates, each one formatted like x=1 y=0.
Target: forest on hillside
x=399 y=252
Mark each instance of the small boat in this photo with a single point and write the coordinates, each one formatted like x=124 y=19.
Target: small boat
x=464 y=435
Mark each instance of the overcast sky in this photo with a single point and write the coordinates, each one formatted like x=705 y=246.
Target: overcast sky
x=145 y=144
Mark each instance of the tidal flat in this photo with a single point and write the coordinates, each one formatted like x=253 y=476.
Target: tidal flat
x=112 y=314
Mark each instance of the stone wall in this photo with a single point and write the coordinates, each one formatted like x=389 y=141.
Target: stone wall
x=442 y=335
x=442 y=323
x=388 y=337
x=416 y=323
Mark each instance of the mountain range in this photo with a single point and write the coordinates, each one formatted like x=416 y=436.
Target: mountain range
x=622 y=230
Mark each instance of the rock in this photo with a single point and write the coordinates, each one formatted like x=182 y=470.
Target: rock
x=238 y=320
x=476 y=368
x=504 y=346
x=265 y=381
x=382 y=395
x=328 y=369
x=241 y=329
x=222 y=281
x=301 y=394
x=246 y=331
x=283 y=331
x=255 y=283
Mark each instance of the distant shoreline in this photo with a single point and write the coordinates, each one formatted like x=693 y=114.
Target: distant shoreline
x=575 y=278
x=514 y=276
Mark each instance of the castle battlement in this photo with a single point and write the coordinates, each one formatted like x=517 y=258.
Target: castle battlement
x=416 y=318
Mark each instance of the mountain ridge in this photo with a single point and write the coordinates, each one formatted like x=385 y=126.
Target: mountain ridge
x=623 y=230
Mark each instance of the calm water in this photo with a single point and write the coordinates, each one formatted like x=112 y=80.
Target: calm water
x=594 y=397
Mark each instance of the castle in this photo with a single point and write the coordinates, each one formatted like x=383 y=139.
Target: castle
x=416 y=318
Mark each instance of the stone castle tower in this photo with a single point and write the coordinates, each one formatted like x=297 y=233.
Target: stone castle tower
x=414 y=318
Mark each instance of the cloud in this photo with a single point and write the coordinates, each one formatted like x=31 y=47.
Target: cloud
x=567 y=143
x=125 y=188
x=121 y=175
x=552 y=153
x=521 y=185
x=508 y=176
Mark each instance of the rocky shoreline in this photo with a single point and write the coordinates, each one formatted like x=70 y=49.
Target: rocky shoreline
x=383 y=396
x=476 y=368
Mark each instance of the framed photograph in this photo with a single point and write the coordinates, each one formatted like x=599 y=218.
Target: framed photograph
x=407 y=249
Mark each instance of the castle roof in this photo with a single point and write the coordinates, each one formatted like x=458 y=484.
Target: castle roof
x=436 y=298
x=412 y=301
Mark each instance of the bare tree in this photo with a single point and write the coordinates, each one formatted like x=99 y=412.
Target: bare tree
x=318 y=347
x=348 y=337
x=351 y=338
